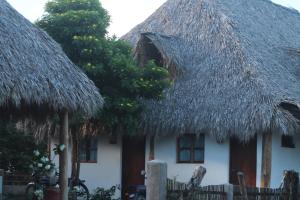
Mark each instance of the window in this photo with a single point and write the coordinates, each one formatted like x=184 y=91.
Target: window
x=190 y=149
x=287 y=141
x=88 y=150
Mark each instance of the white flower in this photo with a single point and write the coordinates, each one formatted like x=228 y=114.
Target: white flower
x=39 y=194
x=62 y=147
x=44 y=159
x=40 y=165
x=47 y=167
x=76 y=189
x=36 y=153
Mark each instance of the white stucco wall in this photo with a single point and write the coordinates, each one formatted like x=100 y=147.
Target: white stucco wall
x=258 y=159
x=283 y=159
x=216 y=160
x=107 y=171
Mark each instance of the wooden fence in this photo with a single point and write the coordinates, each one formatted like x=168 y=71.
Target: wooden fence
x=16 y=179
x=180 y=191
x=263 y=194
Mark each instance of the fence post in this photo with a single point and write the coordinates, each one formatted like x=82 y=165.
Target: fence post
x=1 y=183
x=229 y=191
x=243 y=189
x=156 y=180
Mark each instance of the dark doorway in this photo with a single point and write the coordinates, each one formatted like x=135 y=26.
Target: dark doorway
x=133 y=162
x=243 y=159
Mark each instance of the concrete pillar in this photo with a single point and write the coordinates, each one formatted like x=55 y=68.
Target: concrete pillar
x=156 y=180
x=229 y=191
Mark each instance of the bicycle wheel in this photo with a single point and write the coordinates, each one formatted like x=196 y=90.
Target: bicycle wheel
x=79 y=192
x=29 y=192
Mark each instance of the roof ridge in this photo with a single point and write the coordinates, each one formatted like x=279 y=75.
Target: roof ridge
x=232 y=51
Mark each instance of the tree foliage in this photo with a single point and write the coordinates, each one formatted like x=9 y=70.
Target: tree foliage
x=80 y=26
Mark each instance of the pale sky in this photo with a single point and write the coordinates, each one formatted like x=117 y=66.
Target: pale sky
x=125 y=14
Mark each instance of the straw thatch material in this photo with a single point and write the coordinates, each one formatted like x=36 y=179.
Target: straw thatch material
x=239 y=62
x=35 y=72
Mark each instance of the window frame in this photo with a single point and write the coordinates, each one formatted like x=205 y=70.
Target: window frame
x=285 y=139
x=88 y=148
x=192 y=149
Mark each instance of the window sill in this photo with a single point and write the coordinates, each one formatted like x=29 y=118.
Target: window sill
x=189 y=162
x=289 y=147
x=87 y=161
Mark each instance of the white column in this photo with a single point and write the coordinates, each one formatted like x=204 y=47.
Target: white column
x=229 y=191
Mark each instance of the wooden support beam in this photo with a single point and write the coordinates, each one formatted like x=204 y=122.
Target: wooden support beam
x=63 y=156
x=266 y=162
x=151 y=152
x=242 y=184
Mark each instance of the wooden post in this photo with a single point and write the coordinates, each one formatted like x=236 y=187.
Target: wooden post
x=156 y=180
x=151 y=152
x=63 y=156
x=266 y=162
x=242 y=184
x=196 y=179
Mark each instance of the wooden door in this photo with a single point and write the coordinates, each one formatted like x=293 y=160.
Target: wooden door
x=243 y=159
x=133 y=162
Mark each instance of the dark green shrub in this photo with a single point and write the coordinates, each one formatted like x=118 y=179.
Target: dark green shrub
x=104 y=194
x=16 y=149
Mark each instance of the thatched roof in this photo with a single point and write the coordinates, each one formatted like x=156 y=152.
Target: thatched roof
x=238 y=64
x=35 y=72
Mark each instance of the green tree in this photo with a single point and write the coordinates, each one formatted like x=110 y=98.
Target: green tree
x=80 y=26
x=123 y=84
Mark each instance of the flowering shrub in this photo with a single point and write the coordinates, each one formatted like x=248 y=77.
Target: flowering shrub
x=39 y=194
x=42 y=165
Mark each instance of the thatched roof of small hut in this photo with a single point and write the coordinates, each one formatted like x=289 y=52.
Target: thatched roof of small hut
x=238 y=67
x=35 y=73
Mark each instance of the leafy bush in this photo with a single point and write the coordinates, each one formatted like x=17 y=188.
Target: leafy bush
x=104 y=194
x=16 y=149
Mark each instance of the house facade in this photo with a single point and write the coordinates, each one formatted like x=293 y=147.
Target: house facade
x=112 y=165
x=234 y=104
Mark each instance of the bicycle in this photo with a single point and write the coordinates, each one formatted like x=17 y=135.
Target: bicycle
x=77 y=189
